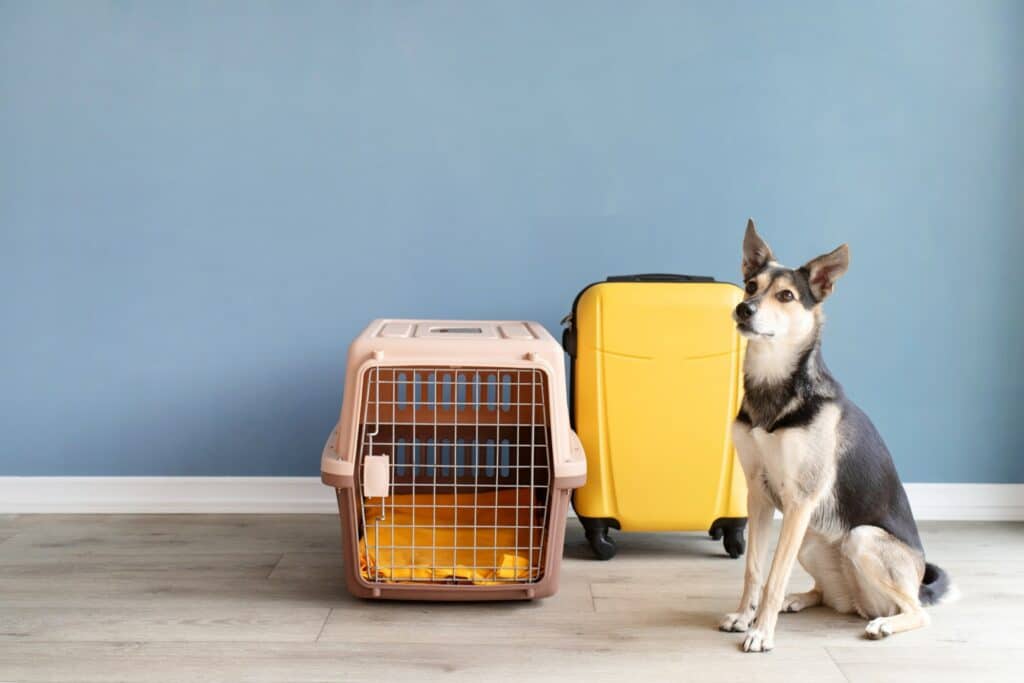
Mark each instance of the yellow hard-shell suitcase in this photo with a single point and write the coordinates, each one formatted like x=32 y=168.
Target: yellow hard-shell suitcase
x=656 y=381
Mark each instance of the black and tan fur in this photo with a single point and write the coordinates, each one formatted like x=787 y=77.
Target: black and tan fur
x=809 y=452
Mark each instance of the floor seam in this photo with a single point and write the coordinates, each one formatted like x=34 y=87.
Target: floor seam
x=836 y=664
x=324 y=625
x=275 y=565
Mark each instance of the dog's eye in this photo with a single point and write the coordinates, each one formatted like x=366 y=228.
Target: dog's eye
x=751 y=286
x=784 y=296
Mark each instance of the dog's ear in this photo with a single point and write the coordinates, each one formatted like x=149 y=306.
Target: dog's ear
x=823 y=271
x=756 y=251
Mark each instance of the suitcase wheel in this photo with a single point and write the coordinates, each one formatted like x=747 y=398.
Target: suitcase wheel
x=730 y=531
x=596 y=530
x=601 y=543
x=734 y=543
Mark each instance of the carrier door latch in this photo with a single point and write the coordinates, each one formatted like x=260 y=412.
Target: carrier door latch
x=376 y=475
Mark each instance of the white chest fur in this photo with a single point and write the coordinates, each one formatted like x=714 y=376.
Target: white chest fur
x=796 y=465
x=771 y=362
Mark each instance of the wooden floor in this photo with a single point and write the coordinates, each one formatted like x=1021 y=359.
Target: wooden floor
x=260 y=598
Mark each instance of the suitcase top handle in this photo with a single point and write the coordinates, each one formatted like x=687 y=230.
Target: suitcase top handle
x=659 y=277
x=569 y=334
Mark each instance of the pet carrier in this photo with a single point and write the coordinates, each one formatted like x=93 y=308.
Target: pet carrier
x=453 y=462
x=656 y=382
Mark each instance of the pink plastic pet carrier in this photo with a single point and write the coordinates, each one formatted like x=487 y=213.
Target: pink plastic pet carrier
x=453 y=461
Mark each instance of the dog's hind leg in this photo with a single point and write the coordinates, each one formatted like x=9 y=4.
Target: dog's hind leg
x=823 y=561
x=810 y=556
x=886 y=575
x=796 y=602
x=882 y=627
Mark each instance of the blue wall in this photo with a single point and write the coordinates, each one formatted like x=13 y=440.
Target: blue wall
x=201 y=203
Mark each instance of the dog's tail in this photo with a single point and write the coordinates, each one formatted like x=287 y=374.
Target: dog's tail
x=936 y=586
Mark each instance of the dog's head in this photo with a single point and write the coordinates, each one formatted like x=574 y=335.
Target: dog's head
x=784 y=304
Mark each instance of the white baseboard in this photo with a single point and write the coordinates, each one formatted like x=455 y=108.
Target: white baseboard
x=970 y=502
x=97 y=495
x=165 y=495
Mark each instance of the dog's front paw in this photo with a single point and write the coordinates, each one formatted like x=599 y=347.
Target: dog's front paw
x=735 y=622
x=878 y=628
x=758 y=641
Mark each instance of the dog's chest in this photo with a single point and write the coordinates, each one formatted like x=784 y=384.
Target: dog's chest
x=793 y=465
x=785 y=458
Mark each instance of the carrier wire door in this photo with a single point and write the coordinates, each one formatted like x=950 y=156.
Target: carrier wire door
x=459 y=472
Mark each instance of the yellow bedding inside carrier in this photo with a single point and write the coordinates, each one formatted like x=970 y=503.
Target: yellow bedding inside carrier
x=478 y=537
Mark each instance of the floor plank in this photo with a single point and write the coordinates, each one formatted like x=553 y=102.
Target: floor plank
x=71 y=566
x=163 y=622
x=58 y=535
x=308 y=662
x=932 y=663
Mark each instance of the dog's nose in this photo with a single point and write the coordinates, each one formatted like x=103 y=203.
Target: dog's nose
x=744 y=310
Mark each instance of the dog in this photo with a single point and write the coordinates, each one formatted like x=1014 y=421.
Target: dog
x=809 y=452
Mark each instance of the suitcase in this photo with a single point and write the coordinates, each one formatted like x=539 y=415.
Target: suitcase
x=655 y=382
